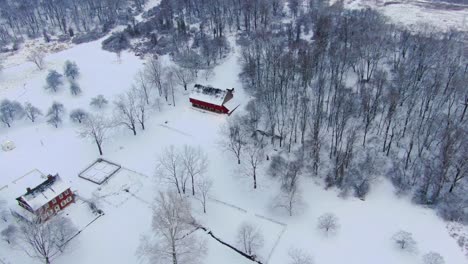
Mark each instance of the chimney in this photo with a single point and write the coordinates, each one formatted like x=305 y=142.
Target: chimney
x=49 y=177
x=28 y=190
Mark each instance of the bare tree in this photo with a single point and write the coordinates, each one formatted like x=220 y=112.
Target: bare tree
x=184 y=76
x=255 y=155
x=328 y=223
x=31 y=111
x=143 y=86
x=126 y=111
x=299 y=256
x=98 y=101
x=55 y=114
x=169 y=85
x=173 y=239
x=405 y=241
x=195 y=163
x=9 y=234
x=154 y=73
x=433 y=258
x=170 y=167
x=95 y=128
x=44 y=240
x=289 y=199
x=204 y=185
x=141 y=105
x=37 y=57
x=249 y=238
x=234 y=137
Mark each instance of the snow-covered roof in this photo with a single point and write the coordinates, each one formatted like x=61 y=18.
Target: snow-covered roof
x=42 y=188
x=232 y=104
x=208 y=94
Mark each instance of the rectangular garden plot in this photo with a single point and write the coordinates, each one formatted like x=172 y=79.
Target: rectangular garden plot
x=99 y=171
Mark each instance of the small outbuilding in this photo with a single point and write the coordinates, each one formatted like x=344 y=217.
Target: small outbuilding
x=212 y=99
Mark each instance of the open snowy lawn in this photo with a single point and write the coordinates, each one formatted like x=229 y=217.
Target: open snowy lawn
x=225 y=219
x=366 y=226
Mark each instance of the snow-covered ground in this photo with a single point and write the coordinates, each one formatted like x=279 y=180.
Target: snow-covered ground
x=366 y=226
x=414 y=13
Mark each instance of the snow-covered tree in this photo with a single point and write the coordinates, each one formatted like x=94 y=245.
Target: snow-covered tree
x=71 y=70
x=31 y=111
x=154 y=73
x=173 y=240
x=184 y=76
x=249 y=238
x=126 y=111
x=37 y=57
x=95 y=128
x=204 y=185
x=433 y=258
x=99 y=101
x=45 y=240
x=195 y=163
x=254 y=153
x=298 y=256
x=10 y=111
x=171 y=168
x=328 y=223
x=53 y=81
x=143 y=86
x=405 y=241
x=75 y=88
x=55 y=113
x=288 y=199
x=78 y=115
x=235 y=137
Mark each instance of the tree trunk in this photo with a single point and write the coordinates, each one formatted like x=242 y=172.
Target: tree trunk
x=99 y=147
x=193 y=187
x=255 y=178
x=174 y=253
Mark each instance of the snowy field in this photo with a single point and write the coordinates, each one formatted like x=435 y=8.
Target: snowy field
x=414 y=13
x=366 y=226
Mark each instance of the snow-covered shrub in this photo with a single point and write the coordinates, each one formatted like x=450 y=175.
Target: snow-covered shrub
x=298 y=256
x=99 y=101
x=328 y=223
x=433 y=258
x=405 y=241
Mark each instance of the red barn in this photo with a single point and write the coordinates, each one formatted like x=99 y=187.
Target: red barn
x=48 y=197
x=212 y=99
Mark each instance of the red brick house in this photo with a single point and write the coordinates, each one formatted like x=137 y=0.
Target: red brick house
x=212 y=99
x=48 y=197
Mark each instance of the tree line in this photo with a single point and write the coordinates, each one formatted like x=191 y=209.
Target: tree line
x=358 y=99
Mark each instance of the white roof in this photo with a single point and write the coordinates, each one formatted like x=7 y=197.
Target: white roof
x=42 y=195
x=208 y=94
x=232 y=104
